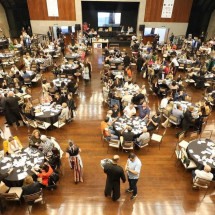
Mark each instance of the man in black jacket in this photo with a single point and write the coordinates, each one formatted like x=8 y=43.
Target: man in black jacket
x=114 y=173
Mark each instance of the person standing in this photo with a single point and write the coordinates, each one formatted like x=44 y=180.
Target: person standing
x=114 y=174
x=75 y=161
x=133 y=167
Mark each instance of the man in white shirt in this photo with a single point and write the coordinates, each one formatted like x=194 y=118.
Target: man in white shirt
x=164 y=102
x=133 y=167
x=203 y=174
x=129 y=110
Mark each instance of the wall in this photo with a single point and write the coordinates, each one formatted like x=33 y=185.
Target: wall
x=3 y=21
x=211 y=26
x=178 y=26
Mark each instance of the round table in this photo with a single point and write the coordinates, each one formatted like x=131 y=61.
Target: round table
x=136 y=123
x=47 y=113
x=200 y=151
x=22 y=164
x=72 y=56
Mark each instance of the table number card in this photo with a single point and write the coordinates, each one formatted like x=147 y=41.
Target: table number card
x=167 y=8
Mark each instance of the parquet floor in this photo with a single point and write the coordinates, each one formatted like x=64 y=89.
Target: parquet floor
x=163 y=188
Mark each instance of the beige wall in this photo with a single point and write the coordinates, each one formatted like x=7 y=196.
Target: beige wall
x=3 y=21
x=211 y=26
x=39 y=26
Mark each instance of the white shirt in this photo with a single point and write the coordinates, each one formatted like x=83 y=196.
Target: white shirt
x=164 y=103
x=129 y=112
x=175 y=62
x=204 y=175
x=134 y=165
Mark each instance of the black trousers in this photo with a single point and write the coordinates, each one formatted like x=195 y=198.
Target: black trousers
x=133 y=185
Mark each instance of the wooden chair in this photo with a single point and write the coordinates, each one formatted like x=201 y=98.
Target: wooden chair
x=187 y=163
x=42 y=125
x=174 y=120
x=158 y=138
x=5 y=144
x=128 y=146
x=114 y=144
x=202 y=184
x=33 y=198
x=14 y=194
x=59 y=124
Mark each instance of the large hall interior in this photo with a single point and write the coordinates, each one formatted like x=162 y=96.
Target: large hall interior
x=107 y=107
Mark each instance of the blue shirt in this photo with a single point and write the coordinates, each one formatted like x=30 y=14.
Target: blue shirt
x=134 y=165
x=143 y=112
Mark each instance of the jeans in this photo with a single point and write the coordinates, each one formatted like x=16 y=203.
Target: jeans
x=133 y=185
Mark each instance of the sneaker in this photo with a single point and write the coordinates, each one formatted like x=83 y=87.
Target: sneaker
x=133 y=197
x=129 y=191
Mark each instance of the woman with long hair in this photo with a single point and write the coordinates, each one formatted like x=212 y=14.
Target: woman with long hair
x=75 y=161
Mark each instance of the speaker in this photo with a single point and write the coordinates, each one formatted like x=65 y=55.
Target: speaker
x=77 y=27
x=141 y=27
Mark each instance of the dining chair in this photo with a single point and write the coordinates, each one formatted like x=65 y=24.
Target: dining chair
x=59 y=124
x=187 y=163
x=201 y=184
x=34 y=198
x=114 y=144
x=144 y=143
x=14 y=194
x=128 y=146
x=158 y=138
x=43 y=125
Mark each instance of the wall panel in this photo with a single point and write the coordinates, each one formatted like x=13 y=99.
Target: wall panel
x=38 y=10
x=181 y=11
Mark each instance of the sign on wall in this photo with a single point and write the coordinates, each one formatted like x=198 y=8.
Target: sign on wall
x=52 y=7
x=167 y=8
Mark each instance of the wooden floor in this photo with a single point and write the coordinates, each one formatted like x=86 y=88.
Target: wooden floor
x=163 y=188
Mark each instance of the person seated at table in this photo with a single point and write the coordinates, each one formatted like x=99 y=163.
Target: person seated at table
x=163 y=88
x=46 y=98
x=153 y=122
x=144 y=111
x=106 y=129
x=165 y=101
x=65 y=113
x=180 y=96
x=138 y=98
x=128 y=73
x=127 y=136
x=45 y=85
x=43 y=174
x=54 y=159
x=203 y=174
x=46 y=144
x=52 y=89
x=115 y=111
x=34 y=140
x=29 y=186
x=126 y=99
x=72 y=86
x=129 y=110
x=188 y=120
x=14 y=145
x=206 y=109
x=58 y=99
x=28 y=109
x=140 y=140
x=17 y=85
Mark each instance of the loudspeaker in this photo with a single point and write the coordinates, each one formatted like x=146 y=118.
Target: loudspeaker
x=141 y=27
x=77 y=27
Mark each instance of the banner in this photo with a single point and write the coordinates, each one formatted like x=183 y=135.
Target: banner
x=52 y=7
x=167 y=8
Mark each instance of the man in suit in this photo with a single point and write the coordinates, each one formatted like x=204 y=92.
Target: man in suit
x=12 y=113
x=114 y=174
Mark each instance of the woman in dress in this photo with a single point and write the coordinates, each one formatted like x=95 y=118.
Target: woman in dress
x=75 y=161
x=86 y=73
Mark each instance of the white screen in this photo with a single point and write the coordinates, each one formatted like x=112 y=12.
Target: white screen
x=109 y=19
